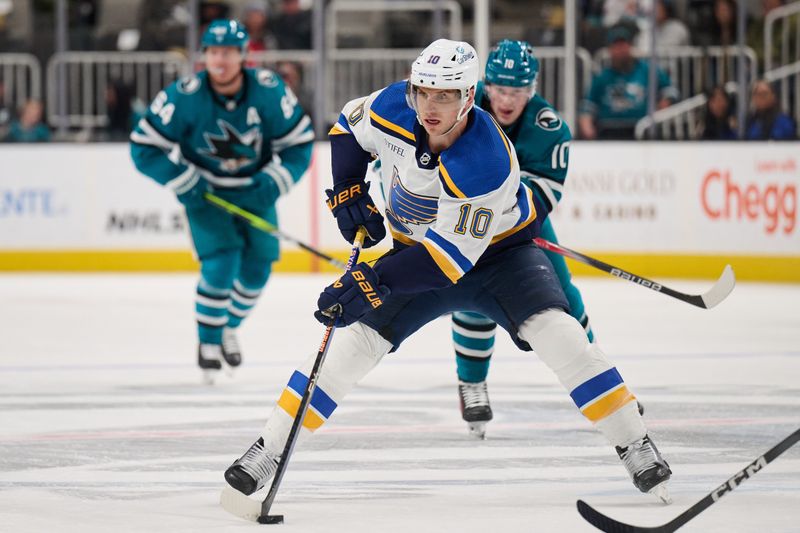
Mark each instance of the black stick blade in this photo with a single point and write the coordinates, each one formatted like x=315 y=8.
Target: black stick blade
x=609 y=525
x=270 y=519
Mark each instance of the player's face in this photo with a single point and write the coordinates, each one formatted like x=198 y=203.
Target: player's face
x=437 y=108
x=508 y=103
x=223 y=63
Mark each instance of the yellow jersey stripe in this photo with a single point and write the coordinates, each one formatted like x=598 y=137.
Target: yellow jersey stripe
x=394 y=127
x=525 y=223
x=449 y=182
x=608 y=404
x=291 y=404
x=399 y=237
x=337 y=129
x=444 y=264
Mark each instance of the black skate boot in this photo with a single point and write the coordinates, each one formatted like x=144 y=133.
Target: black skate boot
x=209 y=359
x=649 y=471
x=251 y=471
x=230 y=348
x=475 y=408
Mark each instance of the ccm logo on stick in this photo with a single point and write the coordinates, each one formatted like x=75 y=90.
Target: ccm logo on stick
x=722 y=198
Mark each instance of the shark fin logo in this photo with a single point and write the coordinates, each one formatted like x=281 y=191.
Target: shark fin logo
x=233 y=149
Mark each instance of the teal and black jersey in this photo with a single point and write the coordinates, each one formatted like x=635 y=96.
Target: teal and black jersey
x=541 y=139
x=260 y=136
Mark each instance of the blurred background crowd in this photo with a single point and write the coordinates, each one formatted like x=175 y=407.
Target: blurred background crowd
x=90 y=81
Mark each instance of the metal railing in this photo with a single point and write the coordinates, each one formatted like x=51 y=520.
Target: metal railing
x=787 y=20
x=679 y=121
x=693 y=68
x=21 y=77
x=87 y=75
x=788 y=77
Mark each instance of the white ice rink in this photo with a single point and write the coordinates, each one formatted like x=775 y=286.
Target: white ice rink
x=104 y=426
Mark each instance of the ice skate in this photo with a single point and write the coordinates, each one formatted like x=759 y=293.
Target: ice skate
x=231 y=353
x=251 y=471
x=649 y=471
x=475 y=408
x=209 y=359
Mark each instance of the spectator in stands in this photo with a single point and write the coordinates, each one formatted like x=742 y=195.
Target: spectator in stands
x=670 y=31
x=5 y=112
x=723 y=25
x=617 y=98
x=718 y=123
x=118 y=110
x=292 y=26
x=162 y=24
x=211 y=10
x=255 y=19
x=29 y=128
x=767 y=121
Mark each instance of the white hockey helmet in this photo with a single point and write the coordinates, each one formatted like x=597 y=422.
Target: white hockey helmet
x=445 y=64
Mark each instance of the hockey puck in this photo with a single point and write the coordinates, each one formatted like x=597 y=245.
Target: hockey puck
x=270 y=519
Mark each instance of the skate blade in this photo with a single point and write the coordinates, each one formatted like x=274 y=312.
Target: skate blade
x=240 y=505
x=661 y=492
x=477 y=430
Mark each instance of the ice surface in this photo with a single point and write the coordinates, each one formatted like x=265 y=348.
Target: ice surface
x=104 y=425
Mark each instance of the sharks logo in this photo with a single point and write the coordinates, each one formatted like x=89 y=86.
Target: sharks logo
x=405 y=207
x=233 y=150
x=547 y=119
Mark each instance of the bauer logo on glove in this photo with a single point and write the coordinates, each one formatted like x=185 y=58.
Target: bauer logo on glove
x=353 y=207
x=350 y=297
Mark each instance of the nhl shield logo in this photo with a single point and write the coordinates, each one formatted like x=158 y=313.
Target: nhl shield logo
x=425 y=158
x=548 y=120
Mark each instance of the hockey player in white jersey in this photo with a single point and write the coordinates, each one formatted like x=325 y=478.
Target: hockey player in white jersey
x=462 y=225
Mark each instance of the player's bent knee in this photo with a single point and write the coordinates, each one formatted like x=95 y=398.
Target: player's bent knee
x=555 y=336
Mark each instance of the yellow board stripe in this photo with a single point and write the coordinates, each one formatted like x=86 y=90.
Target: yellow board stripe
x=772 y=268
x=444 y=264
x=449 y=181
x=291 y=404
x=608 y=404
x=394 y=127
x=531 y=218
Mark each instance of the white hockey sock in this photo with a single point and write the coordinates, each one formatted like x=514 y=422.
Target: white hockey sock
x=592 y=381
x=353 y=352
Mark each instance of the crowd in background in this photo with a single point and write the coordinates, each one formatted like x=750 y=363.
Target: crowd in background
x=616 y=100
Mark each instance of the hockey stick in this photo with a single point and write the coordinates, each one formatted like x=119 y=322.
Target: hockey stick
x=237 y=503
x=718 y=292
x=259 y=223
x=609 y=525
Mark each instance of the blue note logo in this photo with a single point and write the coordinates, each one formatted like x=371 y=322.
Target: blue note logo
x=405 y=207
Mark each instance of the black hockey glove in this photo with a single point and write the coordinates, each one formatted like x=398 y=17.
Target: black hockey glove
x=352 y=206
x=351 y=296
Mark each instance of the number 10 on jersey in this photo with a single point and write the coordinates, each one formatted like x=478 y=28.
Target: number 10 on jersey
x=479 y=225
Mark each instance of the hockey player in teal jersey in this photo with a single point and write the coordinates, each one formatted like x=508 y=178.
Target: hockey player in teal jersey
x=462 y=225
x=240 y=133
x=541 y=140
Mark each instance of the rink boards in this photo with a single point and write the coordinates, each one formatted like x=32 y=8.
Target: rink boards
x=659 y=209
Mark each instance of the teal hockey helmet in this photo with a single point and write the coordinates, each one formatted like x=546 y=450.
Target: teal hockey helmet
x=512 y=63
x=225 y=32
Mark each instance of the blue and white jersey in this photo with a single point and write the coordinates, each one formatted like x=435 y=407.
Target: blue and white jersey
x=456 y=204
x=258 y=137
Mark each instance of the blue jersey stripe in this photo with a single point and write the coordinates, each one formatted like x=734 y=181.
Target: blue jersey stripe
x=323 y=403
x=343 y=122
x=598 y=385
x=524 y=206
x=449 y=248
